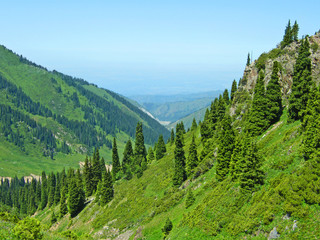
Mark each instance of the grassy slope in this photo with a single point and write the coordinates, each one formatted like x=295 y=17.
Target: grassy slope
x=142 y=205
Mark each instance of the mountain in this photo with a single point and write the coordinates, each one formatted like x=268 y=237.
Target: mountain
x=172 y=108
x=49 y=120
x=244 y=173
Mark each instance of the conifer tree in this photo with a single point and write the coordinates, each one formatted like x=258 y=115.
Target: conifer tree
x=257 y=119
x=161 y=148
x=233 y=89
x=220 y=109
x=295 y=31
x=103 y=167
x=190 y=198
x=248 y=60
x=106 y=189
x=194 y=125
x=57 y=190
x=192 y=160
x=287 y=38
x=51 y=188
x=167 y=228
x=140 y=153
x=273 y=95
x=225 y=148
x=302 y=82
x=96 y=169
x=88 y=176
x=236 y=156
x=226 y=96
x=63 y=205
x=150 y=156
x=172 y=137
x=205 y=127
x=44 y=193
x=115 y=161
x=179 y=162
x=127 y=157
x=76 y=197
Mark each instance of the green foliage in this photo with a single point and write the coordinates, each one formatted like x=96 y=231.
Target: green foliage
x=167 y=228
x=179 y=161
x=172 y=137
x=150 y=156
x=140 y=153
x=53 y=218
x=261 y=62
x=190 y=198
x=273 y=95
x=233 y=89
x=106 y=194
x=116 y=168
x=127 y=160
x=76 y=197
x=302 y=82
x=314 y=47
x=194 y=125
x=28 y=229
x=63 y=210
x=248 y=60
x=192 y=160
x=161 y=148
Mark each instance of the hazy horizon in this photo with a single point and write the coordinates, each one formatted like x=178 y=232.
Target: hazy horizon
x=145 y=47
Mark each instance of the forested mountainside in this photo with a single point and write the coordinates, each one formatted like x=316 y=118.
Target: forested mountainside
x=249 y=170
x=46 y=115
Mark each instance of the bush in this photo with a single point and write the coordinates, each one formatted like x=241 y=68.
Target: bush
x=28 y=228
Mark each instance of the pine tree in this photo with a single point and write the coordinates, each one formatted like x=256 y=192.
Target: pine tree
x=220 y=109
x=194 y=125
x=76 y=197
x=234 y=89
x=96 y=169
x=57 y=190
x=248 y=60
x=53 y=218
x=251 y=175
x=127 y=159
x=161 y=148
x=150 y=156
x=192 y=160
x=44 y=193
x=287 y=38
x=226 y=96
x=63 y=205
x=225 y=148
x=295 y=31
x=115 y=161
x=51 y=188
x=179 y=162
x=106 y=189
x=257 y=119
x=190 y=198
x=273 y=95
x=236 y=156
x=103 y=167
x=172 y=137
x=140 y=153
x=88 y=176
x=302 y=82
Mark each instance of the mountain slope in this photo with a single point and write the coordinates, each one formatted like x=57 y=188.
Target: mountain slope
x=53 y=114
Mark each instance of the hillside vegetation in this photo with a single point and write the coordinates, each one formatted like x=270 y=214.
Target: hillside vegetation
x=50 y=120
x=250 y=170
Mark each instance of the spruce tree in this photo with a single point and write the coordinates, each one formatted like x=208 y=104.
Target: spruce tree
x=161 y=148
x=44 y=193
x=301 y=84
x=51 y=188
x=150 y=156
x=287 y=38
x=96 y=169
x=140 y=153
x=273 y=95
x=225 y=148
x=194 y=124
x=257 y=119
x=172 y=137
x=179 y=162
x=63 y=205
x=237 y=154
x=190 y=198
x=88 y=176
x=115 y=161
x=106 y=194
x=127 y=158
x=295 y=31
x=192 y=160
x=57 y=190
x=76 y=197
x=226 y=96
x=233 y=89
x=248 y=60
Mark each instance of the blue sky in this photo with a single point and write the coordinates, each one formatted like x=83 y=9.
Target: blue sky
x=151 y=47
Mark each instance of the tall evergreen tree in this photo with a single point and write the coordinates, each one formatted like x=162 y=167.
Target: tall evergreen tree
x=51 y=188
x=273 y=95
x=88 y=176
x=225 y=148
x=248 y=60
x=257 y=119
x=234 y=89
x=75 y=200
x=57 y=190
x=190 y=198
x=140 y=152
x=295 y=31
x=106 y=189
x=96 y=169
x=192 y=160
x=63 y=205
x=116 y=168
x=287 y=38
x=127 y=160
x=226 y=96
x=44 y=193
x=161 y=148
x=172 y=137
x=302 y=81
x=194 y=125
x=150 y=156
x=179 y=162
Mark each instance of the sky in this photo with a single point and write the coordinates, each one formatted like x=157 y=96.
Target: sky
x=151 y=47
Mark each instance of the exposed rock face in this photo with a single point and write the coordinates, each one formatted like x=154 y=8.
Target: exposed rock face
x=274 y=234
x=287 y=59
